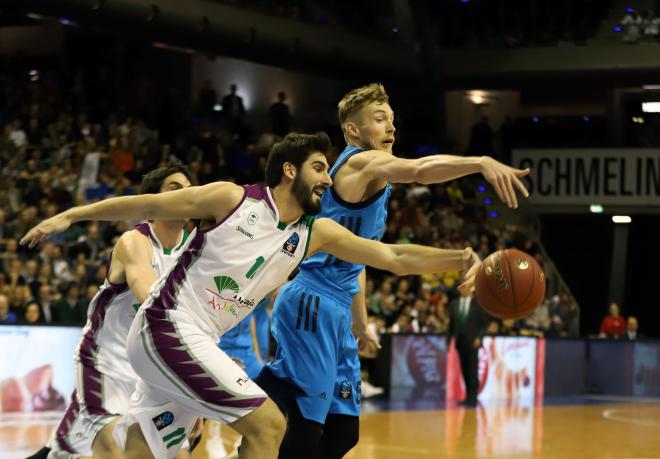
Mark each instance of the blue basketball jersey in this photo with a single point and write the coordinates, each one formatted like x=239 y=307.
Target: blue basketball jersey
x=240 y=336
x=365 y=219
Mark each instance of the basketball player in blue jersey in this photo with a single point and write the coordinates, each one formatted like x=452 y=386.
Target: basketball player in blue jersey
x=259 y=235
x=321 y=395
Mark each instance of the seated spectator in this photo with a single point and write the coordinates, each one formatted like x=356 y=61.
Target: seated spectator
x=402 y=324
x=613 y=325
x=632 y=326
x=510 y=327
x=69 y=309
x=47 y=297
x=632 y=25
x=651 y=25
x=32 y=314
x=538 y=322
x=6 y=315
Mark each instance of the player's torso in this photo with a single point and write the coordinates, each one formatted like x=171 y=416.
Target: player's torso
x=228 y=268
x=111 y=312
x=366 y=219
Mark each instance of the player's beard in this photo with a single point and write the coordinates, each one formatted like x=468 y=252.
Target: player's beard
x=305 y=196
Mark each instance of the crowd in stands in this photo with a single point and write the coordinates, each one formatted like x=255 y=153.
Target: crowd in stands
x=53 y=156
x=639 y=27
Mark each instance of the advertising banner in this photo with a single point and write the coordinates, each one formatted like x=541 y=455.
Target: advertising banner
x=36 y=369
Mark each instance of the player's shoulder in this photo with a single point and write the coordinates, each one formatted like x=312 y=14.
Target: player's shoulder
x=364 y=158
x=133 y=238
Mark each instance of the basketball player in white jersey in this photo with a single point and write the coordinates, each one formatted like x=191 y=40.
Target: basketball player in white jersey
x=258 y=237
x=105 y=379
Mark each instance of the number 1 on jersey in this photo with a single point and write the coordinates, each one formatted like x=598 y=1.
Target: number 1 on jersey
x=253 y=270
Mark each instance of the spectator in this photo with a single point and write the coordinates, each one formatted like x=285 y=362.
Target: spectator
x=651 y=25
x=467 y=325
x=632 y=326
x=46 y=300
x=538 y=323
x=6 y=315
x=632 y=25
x=70 y=309
x=280 y=118
x=232 y=108
x=17 y=134
x=613 y=325
x=32 y=314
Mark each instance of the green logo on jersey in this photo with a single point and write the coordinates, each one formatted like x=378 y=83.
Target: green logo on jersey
x=176 y=437
x=226 y=297
x=226 y=283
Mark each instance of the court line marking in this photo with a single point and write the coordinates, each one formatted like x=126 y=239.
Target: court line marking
x=610 y=415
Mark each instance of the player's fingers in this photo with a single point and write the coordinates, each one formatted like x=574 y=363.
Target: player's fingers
x=498 y=189
x=521 y=187
x=503 y=190
x=27 y=238
x=513 y=199
x=521 y=172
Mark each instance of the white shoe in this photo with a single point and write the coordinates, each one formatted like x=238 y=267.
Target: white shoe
x=369 y=390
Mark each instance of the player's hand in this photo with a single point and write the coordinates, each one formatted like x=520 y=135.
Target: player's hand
x=471 y=263
x=505 y=179
x=367 y=341
x=56 y=224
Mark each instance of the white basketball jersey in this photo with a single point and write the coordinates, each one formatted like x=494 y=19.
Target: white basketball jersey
x=111 y=312
x=227 y=269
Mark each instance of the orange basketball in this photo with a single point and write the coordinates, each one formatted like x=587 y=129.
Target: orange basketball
x=510 y=284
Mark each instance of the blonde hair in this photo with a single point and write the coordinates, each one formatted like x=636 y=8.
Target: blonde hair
x=359 y=98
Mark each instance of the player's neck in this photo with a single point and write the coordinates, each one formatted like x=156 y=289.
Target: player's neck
x=167 y=232
x=287 y=205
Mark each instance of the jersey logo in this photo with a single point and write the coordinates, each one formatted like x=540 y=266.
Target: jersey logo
x=345 y=389
x=226 y=297
x=242 y=231
x=252 y=218
x=163 y=420
x=291 y=244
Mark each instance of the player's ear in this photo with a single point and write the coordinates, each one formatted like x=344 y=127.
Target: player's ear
x=289 y=170
x=351 y=129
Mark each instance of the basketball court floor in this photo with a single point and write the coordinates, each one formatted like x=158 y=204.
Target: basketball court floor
x=606 y=427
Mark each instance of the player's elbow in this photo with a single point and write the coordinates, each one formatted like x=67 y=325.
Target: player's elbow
x=397 y=265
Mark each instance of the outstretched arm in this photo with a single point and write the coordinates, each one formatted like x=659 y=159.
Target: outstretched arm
x=376 y=165
x=212 y=201
x=401 y=259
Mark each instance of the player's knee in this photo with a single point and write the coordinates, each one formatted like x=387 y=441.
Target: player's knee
x=275 y=426
x=270 y=427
